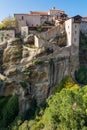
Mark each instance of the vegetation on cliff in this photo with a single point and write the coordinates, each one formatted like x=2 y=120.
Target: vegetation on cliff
x=66 y=109
x=81 y=75
x=8 y=23
x=8 y=110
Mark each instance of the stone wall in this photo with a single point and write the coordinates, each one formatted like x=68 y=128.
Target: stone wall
x=39 y=42
x=52 y=32
x=41 y=76
x=83 y=27
x=24 y=31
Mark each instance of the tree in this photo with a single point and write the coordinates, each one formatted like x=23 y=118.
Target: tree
x=8 y=23
x=67 y=110
x=11 y=110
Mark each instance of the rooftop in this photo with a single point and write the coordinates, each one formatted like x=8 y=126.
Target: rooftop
x=38 y=13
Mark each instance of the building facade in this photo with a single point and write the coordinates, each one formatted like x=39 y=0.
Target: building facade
x=83 y=25
x=35 y=18
x=72 y=27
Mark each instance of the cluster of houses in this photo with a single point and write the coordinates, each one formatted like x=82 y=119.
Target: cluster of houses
x=29 y=23
x=34 y=19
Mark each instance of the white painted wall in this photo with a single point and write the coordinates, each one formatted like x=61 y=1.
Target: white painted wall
x=24 y=31
x=25 y=19
x=72 y=30
x=68 y=28
x=33 y=20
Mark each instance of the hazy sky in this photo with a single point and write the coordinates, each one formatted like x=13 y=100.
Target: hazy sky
x=71 y=7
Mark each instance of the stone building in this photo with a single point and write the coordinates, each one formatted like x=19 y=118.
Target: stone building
x=72 y=27
x=83 y=25
x=37 y=18
x=27 y=20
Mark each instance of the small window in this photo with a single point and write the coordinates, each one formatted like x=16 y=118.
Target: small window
x=75 y=32
x=74 y=39
x=75 y=26
x=22 y=17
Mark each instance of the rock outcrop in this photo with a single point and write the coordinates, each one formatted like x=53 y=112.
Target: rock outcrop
x=33 y=72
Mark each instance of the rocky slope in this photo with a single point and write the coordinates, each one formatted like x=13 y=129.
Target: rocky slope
x=32 y=72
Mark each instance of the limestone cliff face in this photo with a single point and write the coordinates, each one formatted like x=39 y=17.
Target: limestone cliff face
x=32 y=72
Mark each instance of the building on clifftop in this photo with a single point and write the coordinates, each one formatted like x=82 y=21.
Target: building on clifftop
x=40 y=18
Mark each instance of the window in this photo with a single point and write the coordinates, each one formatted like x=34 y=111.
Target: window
x=74 y=39
x=75 y=26
x=22 y=17
x=75 y=32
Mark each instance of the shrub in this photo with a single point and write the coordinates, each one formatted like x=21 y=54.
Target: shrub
x=27 y=72
x=30 y=113
x=66 y=110
x=23 y=84
x=37 y=62
x=67 y=82
x=10 y=111
x=3 y=102
x=83 y=42
x=81 y=75
x=39 y=28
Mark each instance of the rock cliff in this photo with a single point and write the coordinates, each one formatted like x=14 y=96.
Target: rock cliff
x=32 y=72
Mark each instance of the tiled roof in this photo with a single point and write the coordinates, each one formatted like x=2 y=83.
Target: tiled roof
x=21 y=14
x=38 y=13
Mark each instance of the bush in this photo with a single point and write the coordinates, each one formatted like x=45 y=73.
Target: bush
x=39 y=28
x=23 y=84
x=83 y=42
x=3 y=102
x=81 y=75
x=10 y=111
x=67 y=110
x=37 y=62
x=67 y=82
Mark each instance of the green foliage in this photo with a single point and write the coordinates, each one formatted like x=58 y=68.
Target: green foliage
x=37 y=62
x=67 y=110
x=3 y=102
x=67 y=82
x=17 y=52
x=23 y=84
x=83 y=42
x=2 y=80
x=8 y=23
x=27 y=72
x=16 y=124
x=39 y=28
x=10 y=111
x=81 y=75
x=22 y=122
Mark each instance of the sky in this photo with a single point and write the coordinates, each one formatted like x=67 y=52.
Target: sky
x=71 y=7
